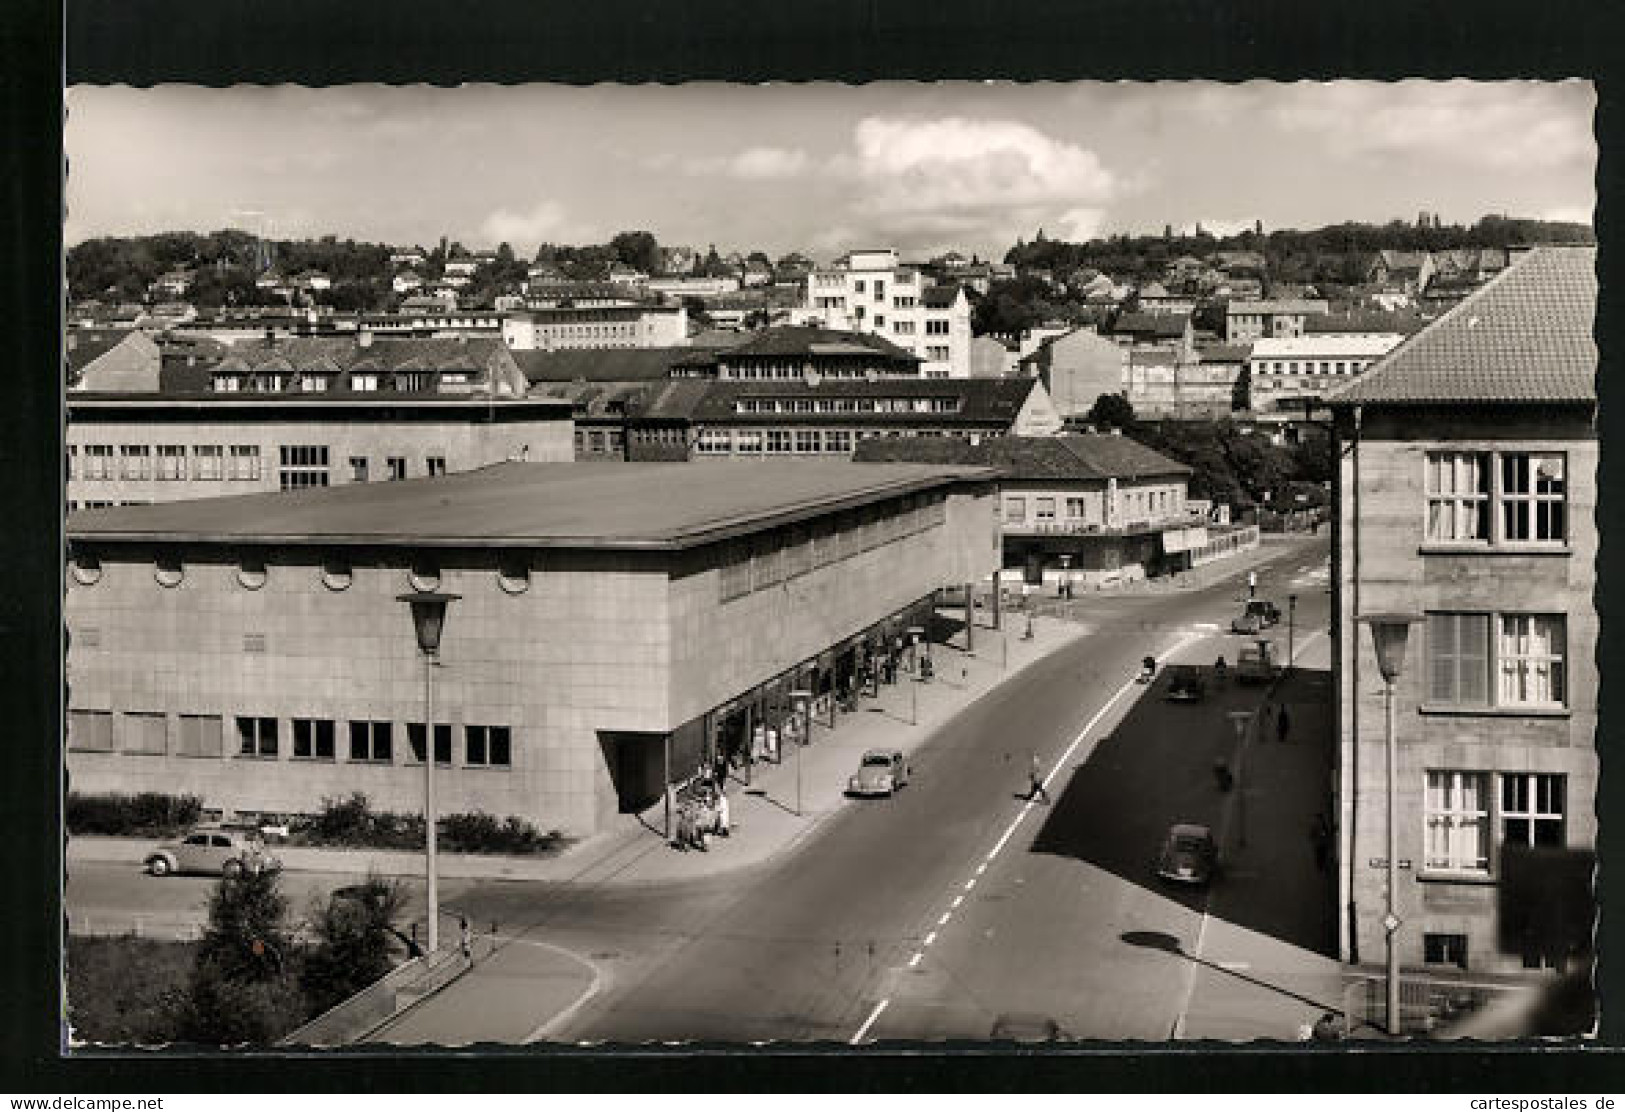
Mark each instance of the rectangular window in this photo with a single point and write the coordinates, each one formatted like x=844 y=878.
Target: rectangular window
x=487 y=746
x=200 y=735
x=146 y=733
x=778 y=441
x=136 y=461
x=809 y=440
x=313 y=739
x=208 y=461
x=397 y=468
x=98 y=461
x=1529 y=657
x=1015 y=510
x=936 y=328
x=714 y=442
x=748 y=442
x=245 y=462
x=1445 y=949
x=171 y=462
x=1074 y=508
x=90 y=730
x=1045 y=509
x=435 y=465
x=1532 y=809
x=1532 y=497
x=371 y=741
x=838 y=441
x=302 y=465
x=358 y=469
x=256 y=737
x=73 y=461
x=1456 y=813
x=442 y=742
x=1458 y=659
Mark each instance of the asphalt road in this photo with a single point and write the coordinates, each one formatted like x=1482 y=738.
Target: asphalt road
x=898 y=919
x=822 y=945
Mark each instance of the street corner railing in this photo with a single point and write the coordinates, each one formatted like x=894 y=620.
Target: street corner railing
x=352 y=1020
x=1428 y=1006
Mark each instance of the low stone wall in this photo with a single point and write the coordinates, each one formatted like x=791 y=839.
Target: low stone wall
x=354 y=1019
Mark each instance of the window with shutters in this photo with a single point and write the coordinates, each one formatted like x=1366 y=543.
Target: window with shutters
x=90 y=730
x=198 y=735
x=1525 y=653
x=146 y=733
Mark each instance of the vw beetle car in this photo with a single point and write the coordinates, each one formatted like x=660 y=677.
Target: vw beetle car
x=1189 y=855
x=881 y=772
x=1258 y=615
x=215 y=851
x=1185 y=684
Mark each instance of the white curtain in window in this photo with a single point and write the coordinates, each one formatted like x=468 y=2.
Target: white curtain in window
x=1531 y=659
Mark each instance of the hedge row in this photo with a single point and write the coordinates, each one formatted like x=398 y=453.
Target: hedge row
x=149 y=814
x=351 y=821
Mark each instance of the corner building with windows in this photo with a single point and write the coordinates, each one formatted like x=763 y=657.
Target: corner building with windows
x=618 y=624
x=1467 y=499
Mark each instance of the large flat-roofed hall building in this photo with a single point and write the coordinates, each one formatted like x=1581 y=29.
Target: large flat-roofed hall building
x=617 y=624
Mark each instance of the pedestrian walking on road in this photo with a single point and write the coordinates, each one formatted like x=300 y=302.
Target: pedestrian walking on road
x=465 y=938
x=1035 y=777
x=1282 y=724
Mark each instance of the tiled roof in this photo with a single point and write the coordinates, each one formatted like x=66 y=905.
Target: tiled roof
x=90 y=345
x=818 y=341
x=600 y=364
x=1224 y=353
x=552 y=505
x=1525 y=336
x=1093 y=456
x=939 y=297
x=1363 y=321
x=982 y=400
x=1164 y=325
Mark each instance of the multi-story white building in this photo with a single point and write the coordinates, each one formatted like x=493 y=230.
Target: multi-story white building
x=870 y=291
x=1286 y=373
x=607 y=326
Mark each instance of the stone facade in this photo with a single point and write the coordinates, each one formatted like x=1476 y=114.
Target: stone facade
x=115 y=449
x=589 y=659
x=1386 y=563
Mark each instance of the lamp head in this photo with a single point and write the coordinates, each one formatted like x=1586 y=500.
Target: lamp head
x=1388 y=635
x=428 y=617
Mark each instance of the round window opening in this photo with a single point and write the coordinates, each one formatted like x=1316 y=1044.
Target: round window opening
x=337 y=575
x=514 y=575
x=87 y=569
x=169 y=571
x=424 y=576
x=251 y=572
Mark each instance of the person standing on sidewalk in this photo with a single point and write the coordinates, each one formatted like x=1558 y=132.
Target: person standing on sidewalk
x=1035 y=779
x=1282 y=724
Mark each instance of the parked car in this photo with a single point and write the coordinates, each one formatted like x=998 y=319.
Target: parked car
x=1258 y=615
x=1255 y=663
x=1024 y=1027
x=215 y=851
x=1189 y=855
x=1186 y=684
x=881 y=772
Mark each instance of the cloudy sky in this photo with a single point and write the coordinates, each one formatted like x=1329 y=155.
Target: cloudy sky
x=818 y=168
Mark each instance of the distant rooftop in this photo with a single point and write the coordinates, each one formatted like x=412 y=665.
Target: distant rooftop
x=1078 y=456
x=659 y=506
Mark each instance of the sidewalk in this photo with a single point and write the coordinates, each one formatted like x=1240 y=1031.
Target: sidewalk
x=764 y=813
x=1266 y=966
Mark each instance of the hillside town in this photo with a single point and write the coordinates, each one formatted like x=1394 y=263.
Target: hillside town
x=898 y=603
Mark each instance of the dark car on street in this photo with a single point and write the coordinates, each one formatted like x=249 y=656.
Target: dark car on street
x=1185 y=684
x=1189 y=855
x=1258 y=615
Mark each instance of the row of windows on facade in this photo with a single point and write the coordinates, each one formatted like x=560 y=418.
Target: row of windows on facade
x=778 y=557
x=849 y=405
x=897 y=303
x=903 y=327
x=513 y=573
x=1496 y=497
x=1496 y=660
x=300 y=465
x=757 y=442
x=276 y=382
x=313 y=739
x=1465 y=821
x=839 y=277
x=1135 y=504
x=734 y=372
x=1290 y=367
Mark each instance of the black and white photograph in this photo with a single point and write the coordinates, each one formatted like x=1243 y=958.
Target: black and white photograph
x=962 y=563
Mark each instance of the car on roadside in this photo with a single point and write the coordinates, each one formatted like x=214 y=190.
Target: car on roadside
x=1186 y=684
x=880 y=772
x=1189 y=855
x=212 y=851
x=1258 y=615
x=1026 y=1027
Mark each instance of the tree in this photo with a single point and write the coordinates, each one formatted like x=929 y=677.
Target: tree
x=245 y=987
x=638 y=250
x=1111 y=411
x=1241 y=394
x=697 y=316
x=355 y=933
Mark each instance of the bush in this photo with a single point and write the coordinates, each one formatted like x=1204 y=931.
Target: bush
x=352 y=822
x=245 y=985
x=149 y=814
x=354 y=937
x=478 y=832
x=127 y=990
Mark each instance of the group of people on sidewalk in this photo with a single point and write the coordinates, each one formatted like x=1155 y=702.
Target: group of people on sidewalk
x=702 y=816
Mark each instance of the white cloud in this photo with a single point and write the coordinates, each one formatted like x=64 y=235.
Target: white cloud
x=1504 y=126
x=1219 y=226
x=751 y=164
x=524 y=231
x=1569 y=214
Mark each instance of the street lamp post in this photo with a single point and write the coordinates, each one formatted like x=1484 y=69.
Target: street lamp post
x=1388 y=635
x=803 y=700
x=1241 y=720
x=428 y=622
x=1291 y=626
